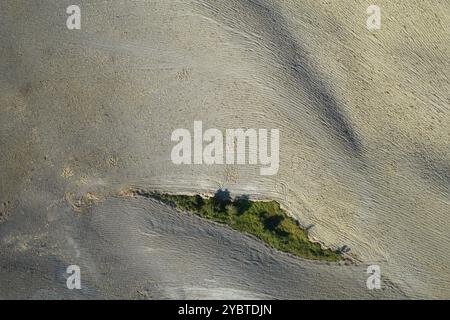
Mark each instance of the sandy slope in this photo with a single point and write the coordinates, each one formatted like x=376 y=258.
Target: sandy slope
x=364 y=117
x=136 y=248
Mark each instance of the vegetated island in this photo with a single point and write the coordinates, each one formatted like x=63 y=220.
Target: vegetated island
x=262 y=219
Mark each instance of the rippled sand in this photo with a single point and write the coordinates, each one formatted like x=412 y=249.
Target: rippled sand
x=363 y=118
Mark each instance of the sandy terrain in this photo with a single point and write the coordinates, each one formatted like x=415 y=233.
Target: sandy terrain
x=363 y=117
x=139 y=249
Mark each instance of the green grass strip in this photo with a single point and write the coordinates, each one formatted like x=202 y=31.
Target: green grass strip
x=262 y=219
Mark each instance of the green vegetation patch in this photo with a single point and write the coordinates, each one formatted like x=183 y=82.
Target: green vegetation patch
x=262 y=219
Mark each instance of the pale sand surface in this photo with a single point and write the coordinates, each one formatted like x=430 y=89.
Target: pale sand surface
x=364 y=123
x=140 y=249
